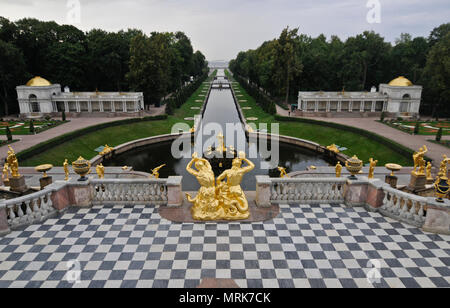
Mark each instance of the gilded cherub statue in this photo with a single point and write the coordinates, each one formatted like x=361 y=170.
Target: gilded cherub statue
x=235 y=197
x=373 y=164
x=443 y=169
x=429 y=176
x=100 y=169
x=338 y=170
x=206 y=206
x=106 y=150
x=419 y=161
x=283 y=173
x=13 y=163
x=155 y=172
x=66 y=170
x=333 y=148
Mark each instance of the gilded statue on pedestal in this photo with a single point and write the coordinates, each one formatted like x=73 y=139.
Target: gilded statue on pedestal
x=373 y=164
x=419 y=161
x=338 y=170
x=13 y=163
x=5 y=174
x=224 y=201
x=429 y=176
x=100 y=169
x=66 y=170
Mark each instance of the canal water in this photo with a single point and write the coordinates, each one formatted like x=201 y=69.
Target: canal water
x=220 y=110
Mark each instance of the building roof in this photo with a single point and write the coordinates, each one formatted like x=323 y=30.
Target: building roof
x=97 y=94
x=38 y=82
x=401 y=82
x=342 y=95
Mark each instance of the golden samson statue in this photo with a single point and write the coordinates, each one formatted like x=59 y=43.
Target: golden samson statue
x=224 y=201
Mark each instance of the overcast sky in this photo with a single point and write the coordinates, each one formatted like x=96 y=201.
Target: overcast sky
x=220 y=29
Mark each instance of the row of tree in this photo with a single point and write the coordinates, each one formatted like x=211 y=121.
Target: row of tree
x=85 y=61
x=297 y=62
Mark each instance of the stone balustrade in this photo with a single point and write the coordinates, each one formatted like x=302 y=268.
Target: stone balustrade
x=311 y=190
x=405 y=207
x=26 y=210
x=129 y=191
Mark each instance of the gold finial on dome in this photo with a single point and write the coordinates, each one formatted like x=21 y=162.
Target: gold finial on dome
x=38 y=82
x=401 y=82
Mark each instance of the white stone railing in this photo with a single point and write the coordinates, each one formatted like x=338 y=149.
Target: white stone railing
x=405 y=207
x=132 y=191
x=29 y=209
x=307 y=190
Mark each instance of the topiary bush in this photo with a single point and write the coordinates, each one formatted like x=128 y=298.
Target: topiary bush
x=8 y=133
x=439 y=135
x=417 y=128
x=32 y=130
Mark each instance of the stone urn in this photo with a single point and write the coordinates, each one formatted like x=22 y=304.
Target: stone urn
x=82 y=167
x=354 y=165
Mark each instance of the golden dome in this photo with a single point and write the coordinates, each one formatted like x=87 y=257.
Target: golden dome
x=401 y=82
x=38 y=82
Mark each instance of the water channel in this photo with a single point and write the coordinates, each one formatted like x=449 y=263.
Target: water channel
x=220 y=109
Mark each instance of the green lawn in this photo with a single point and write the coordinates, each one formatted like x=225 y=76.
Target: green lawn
x=358 y=145
x=23 y=127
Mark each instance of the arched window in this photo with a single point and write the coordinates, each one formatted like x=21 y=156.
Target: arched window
x=34 y=104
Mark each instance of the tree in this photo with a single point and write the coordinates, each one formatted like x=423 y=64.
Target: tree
x=438 y=34
x=12 y=73
x=32 y=127
x=417 y=128
x=437 y=76
x=63 y=115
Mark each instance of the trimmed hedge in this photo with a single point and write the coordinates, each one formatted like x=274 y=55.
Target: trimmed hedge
x=181 y=96
x=43 y=146
x=261 y=99
x=401 y=149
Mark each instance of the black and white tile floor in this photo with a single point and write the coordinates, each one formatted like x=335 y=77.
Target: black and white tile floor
x=305 y=246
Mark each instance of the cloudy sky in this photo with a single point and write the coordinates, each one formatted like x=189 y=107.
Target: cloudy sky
x=220 y=29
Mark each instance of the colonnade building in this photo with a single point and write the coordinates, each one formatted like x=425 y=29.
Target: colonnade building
x=39 y=97
x=399 y=98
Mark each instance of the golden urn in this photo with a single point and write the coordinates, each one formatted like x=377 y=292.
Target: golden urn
x=393 y=168
x=354 y=165
x=82 y=167
x=44 y=169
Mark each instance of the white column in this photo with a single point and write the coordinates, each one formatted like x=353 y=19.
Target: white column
x=350 y=106
x=339 y=107
x=113 y=106
x=66 y=106
x=90 y=106
x=373 y=105
x=78 y=106
x=384 y=106
x=362 y=105
x=328 y=106
x=124 y=105
x=316 y=108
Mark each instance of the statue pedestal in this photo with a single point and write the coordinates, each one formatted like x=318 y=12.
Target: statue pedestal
x=45 y=181
x=418 y=182
x=17 y=184
x=392 y=180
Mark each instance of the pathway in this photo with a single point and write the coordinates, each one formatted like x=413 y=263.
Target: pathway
x=414 y=142
x=27 y=141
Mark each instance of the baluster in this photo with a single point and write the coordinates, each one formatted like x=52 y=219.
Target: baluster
x=404 y=209
x=412 y=211
x=12 y=214
x=397 y=207
x=420 y=217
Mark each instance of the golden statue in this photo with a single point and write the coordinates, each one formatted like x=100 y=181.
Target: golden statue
x=106 y=150
x=419 y=161
x=373 y=164
x=235 y=202
x=206 y=206
x=338 y=170
x=333 y=148
x=100 y=171
x=66 y=170
x=221 y=148
x=5 y=175
x=155 y=172
x=429 y=176
x=13 y=163
x=283 y=173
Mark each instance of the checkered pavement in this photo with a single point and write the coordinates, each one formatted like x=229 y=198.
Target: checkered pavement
x=305 y=246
